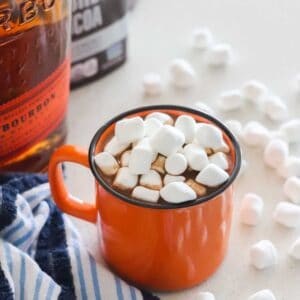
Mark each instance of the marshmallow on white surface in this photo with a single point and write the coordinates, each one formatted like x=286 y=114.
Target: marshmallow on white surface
x=171 y=178
x=212 y=176
x=129 y=130
x=255 y=134
x=124 y=160
x=140 y=160
x=145 y=194
x=291 y=189
x=152 y=84
x=177 y=192
x=107 y=163
x=219 y=55
x=263 y=255
x=182 y=74
x=167 y=140
x=275 y=153
x=291 y=130
x=187 y=125
x=162 y=117
x=219 y=159
x=114 y=147
x=254 y=91
x=196 y=157
x=125 y=180
x=176 y=164
x=235 y=127
x=251 y=209
x=205 y=296
x=263 y=295
x=201 y=38
x=290 y=167
x=230 y=100
x=287 y=214
x=151 y=180
x=152 y=125
x=295 y=249
x=205 y=108
x=274 y=108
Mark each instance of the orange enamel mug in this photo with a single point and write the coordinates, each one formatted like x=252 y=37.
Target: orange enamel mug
x=161 y=247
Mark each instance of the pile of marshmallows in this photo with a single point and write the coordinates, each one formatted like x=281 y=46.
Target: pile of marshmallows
x=143 y=151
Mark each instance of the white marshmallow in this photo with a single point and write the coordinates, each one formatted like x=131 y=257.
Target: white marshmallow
x=145 y=143
x=219 y=55
x=125 y=158
x=129 y=130
x=177 y=192
x=140 y=160
x=152 y=84
x=219 y=159
x=170 y=178
x=205 y=296
x=182 y=74
x=209 y=136
x=151 y=180
x=145 y=194
x=212 y=176
x=291 y=189
x=162 y=117
x=196 y=157
x=276 y=152
x=254 y=91
x=290 y=167
x=251 y=209
x=107 y=163
x=255 y=134
x=176 y=164
x=152 y=125
x=274 y=108
x=263 y=255
x=295 y=249
x=201 y=38
x=167 y=140
x=262 y=295
x=287 y=214
x=291 y=130
x=125 y=180
x=187 y=125
x=235 y=127
x=230 y=100
x=114 y=147
x=204 y=108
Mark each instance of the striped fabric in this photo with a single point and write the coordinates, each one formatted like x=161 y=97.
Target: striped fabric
x=41 y=253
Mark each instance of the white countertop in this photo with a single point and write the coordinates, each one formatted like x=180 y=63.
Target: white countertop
x=265 y=38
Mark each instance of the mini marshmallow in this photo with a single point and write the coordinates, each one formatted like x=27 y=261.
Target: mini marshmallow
x=187 y=125
x=262 y=295
x=145 y=194
x=274 y=108
x=230 y=100
x=140 y=160
x=255 y=134
x=219 y=159
x=287 y=214
x=176 y=164
x=159 y=164
x=129 y=130
x=196 y=157
x=177 y=192
x=125 y=180
x=291 y=130
x=295 y=249
x=290 y=167
x=167 y=140
x=152 y=125
x=251 y=209
x=263 y=255
x=182 y=74
x=235 y=127
x=125 y=158
x=205 y=296
x=219 y=55
x=114 y=147
x=291 y=189
x=198 y=188
x=201 y=38
x=254 y=91
x=107 y=163
x=276 y=152
x=171 y=178
x=145 y=143
x=212 y=176
x=151 y=180
x=204 y=108
x=152 y=84
x=162 y=117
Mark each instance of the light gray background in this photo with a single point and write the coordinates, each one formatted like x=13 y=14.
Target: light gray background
x=265 y=38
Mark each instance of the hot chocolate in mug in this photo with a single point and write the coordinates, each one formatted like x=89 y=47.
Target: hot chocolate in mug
x=156 y=246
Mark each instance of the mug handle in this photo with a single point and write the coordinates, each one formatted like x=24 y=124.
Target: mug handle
x=64 y=200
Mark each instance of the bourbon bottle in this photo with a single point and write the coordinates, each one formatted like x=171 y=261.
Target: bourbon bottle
x=34 y=81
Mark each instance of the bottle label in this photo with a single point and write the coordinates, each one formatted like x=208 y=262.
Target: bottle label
x=34 y=115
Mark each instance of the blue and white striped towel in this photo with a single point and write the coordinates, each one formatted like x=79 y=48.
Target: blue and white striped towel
x=41 y=253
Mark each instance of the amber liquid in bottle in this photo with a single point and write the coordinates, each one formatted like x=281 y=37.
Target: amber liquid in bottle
x=34 y=43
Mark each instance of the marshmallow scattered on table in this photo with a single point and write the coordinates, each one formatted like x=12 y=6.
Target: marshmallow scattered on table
x=275 y=108
x=152 y=84
x=198 y=188
x=176 y=164
x=140 y=160
x=159 y=164
x=263 y=255
x=287 y=214
x=290 y=167
x=204 y=108
x=125 y=180
x=212 y=176
x=201 y=38
x=255 y=134
x=177 y=192
x=129 y=130
x=162 y=117
x=235 y=127
x=107 y=163
x=219 y=55
x=219 y=159
x=145 y=194
x=230 y=100
x=152 y=125
x=254 y=91
x=251 y=209
x=295 y=250
x=263 y=295
x=114 y=147
x=182 y=74
x=124 y=160
x=151 y=180
x=291 y=130
x=291 y=189
x=205 y=296
x=187 y=125
x=171 y=178
x=275 y=153
x=196 y=157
